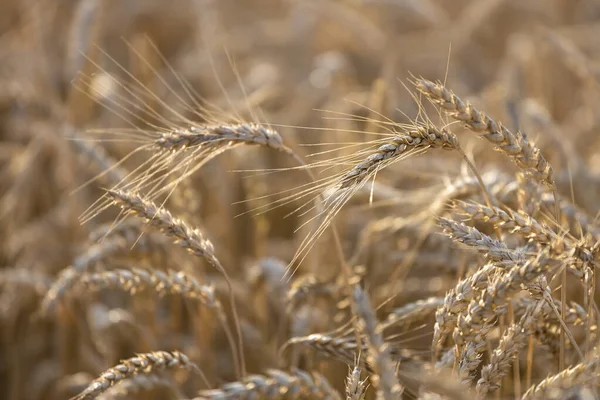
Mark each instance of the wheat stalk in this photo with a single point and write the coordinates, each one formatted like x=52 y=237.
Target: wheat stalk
x=384 y=377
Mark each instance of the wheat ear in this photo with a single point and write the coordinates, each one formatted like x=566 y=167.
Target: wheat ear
x=141 y=364
x=220 y=135
x=191 y=239
x=525 y=154
x=421 y=138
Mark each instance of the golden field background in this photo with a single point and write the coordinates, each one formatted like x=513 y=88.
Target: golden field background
x=85 y=83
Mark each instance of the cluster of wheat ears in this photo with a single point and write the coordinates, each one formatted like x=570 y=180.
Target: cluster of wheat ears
x=210 y=255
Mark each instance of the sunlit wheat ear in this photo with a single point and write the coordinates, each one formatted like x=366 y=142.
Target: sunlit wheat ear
x=135 y=280
x=336 y=348
x=191 y=239
x=517 y=146
x=180 y=152
x=216 y=136
x=147 y=363
x=339 y=189
x=425 y=137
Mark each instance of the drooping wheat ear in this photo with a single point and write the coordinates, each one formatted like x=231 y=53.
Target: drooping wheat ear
x=147 y=363
x=276 y=384
x=512 y=342
x=493 y=249
x=525 y=154
x=412 y=313
x=135 y=280
x=378 y=354
x=116 y=245
x=420 y=138
x=356 y=389
x=469 y=361
x=528 y=228
x=337 y=348
x=553 y=386
x=137 y=384
x=512 y=221
x=216 y=136
x=190 y=239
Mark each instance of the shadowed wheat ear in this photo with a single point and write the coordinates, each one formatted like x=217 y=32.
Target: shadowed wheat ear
x=135 y=280
x=525 y=154
x=277 y=384
x=118 y=243
x=141 y=364
x=190 y=239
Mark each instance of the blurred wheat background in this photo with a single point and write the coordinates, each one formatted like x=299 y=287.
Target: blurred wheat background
x=248 y=199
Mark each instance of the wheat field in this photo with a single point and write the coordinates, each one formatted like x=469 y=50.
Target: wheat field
x=299 y=199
